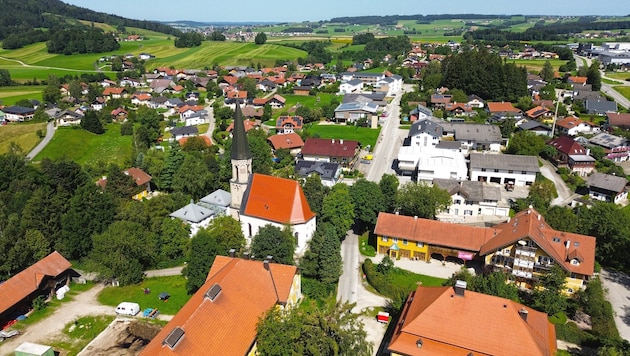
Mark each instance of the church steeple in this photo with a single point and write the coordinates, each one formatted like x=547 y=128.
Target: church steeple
x=241 y=158
x=240 y=147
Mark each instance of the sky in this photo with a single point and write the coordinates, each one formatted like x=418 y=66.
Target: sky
x=298 y=11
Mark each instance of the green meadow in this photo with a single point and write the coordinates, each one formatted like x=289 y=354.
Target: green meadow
x=365 y=135
x=85 y=147
x=11 y=95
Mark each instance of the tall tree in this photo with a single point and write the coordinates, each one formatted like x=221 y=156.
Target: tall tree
x=547 y=73
x=389 y=187
x=260 y=38
x=338 y=209
x=421 y=200
x=550 y=298
x=193 y=178
x=203 y=249
x=273 y=241
x=91 y=122
x=228 y=234
x=261 y=151
x=593 y=76
x=173 y=241
x=368 y=201
x=5 y=78
x=322 y=260
x=328 y=330
x=315 y=192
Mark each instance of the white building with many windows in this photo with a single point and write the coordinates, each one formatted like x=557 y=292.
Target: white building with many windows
x=500 y=168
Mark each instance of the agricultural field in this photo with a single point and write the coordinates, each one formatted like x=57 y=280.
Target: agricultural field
x=618 y=75
x=85 y=147
x=11 y=95
x=22 y=134
x=536 y=65
x=365 y=136
x=623 y=90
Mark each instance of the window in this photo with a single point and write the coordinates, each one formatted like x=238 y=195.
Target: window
x=506 y=251
x=575 y=262
x=395 y=239
x=468 y=212
x=556 y=239
x=468 y=202
x=420 y=244
x=457 y=201
x=404 y=241
x=523 y=172
x=496 y=171
x=483 y=169
x=576 y=244
x=384 y=239
x=510 y=171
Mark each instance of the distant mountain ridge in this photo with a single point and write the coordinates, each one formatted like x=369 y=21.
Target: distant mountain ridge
x=23 y=16
x=186 y=23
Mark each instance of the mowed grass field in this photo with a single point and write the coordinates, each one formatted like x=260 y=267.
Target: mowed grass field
x=11 y=95
x=536 y=65
x=365 y=136
x=85 y=147
x=623 y=90
x=24 y=135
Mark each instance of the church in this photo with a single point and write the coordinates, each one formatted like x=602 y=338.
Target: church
x=258 y=200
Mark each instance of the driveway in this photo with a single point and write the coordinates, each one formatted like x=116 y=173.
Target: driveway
x=564 y=193
x=83 y=304
x=618 y=287
x=50 y=132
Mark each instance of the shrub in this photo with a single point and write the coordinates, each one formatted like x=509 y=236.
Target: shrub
x=39 y=303
x=571 y=333
x=315 y=289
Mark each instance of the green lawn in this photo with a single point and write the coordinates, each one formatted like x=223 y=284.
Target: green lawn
x=13 y=94
x=410 y=280
x=80 y=332
x=23 y=134
x=624 y=90
x=536 y=65
x=174 y=285
x=364 y=245
x=85 y=147
x=365 y=136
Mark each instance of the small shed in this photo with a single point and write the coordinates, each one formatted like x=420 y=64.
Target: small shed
x=31 y=349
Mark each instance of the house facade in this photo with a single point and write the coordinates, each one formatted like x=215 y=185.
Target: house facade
x=573 y=156
x=18 y=113
x=606 y=187
x=351 y=112
x=521 y=170
x=471 y=199
x=341 y=151
x=328 y=172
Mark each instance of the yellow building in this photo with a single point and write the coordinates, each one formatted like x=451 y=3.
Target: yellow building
x=524 y=246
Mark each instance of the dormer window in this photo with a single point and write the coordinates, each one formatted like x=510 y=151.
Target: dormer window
x=575 y=262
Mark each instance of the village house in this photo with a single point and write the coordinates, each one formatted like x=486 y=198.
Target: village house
x=619 y=120
x=524 y=246
x=196 y=216
x=436 y=321
x=503 y=111
x=351 y=112
x=573 y=126
x=290 y=141
x=471 y=200
x=573 y=156
x=18 y=113
x=289 y=124
x=608 y=188
x=427 y=165
x=534 y=127
x=502 y=169
x=617 y=149
x=236 y=294
x=142 y=180
x=328 y=172
x=183 y=131
x=68 y=118
x=340 y=151
x=600 y=107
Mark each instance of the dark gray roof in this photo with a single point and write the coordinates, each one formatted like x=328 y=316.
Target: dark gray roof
x=449 y=145
x=607 y=182
x=473 y=190
x=533 y=124
x=600 y=106
x=240 y=146
x=354 y=82
x=18 y=110
x=326 y=170
x=501 y=161
x=425 y=126
x=184 y=130
x=473 y=132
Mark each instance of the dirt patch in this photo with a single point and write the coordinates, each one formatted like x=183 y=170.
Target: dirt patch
x=123 y=337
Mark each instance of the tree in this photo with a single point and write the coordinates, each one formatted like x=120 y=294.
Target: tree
x=495 y=283
x=389 y=187
x=150 y=119
x=92 y=123
x=312 y=330
x=338 y=209
x=458 y=96
x=260 y=38
x=547 y=73
x=322 y=260
x=248 y=85
x=550 y=298
x=421 y=200
x=122 y=252
x=203 y=249
x=273 y=241
x=593 y=76
x=315 y=192
x=562 y=219
x=526 y=143
x=216 y=36
x=610 y=225
x=261 y=151
x=228 y=234
x=267 y=113
x=368 y=201
x=5 y=78
x=75 y=89
x=173 y=240
x=193 y=178
x=51 y=94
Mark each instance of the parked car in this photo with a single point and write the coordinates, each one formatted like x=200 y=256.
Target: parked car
x=127 y=308
x=6 y=334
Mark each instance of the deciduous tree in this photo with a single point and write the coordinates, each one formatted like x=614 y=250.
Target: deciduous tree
x=389 y=187
x=273 y=241
x=421 y=200
x=338 y=209
x=368 y=201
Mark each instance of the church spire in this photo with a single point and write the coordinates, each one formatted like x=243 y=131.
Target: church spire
x=240 y=147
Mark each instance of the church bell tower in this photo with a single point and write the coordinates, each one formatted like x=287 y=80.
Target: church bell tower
x=241 y=158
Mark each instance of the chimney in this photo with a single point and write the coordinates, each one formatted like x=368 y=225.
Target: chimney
x=341 y=141
x=232 y=252
x=539 y=216
x=246 y=255
x=333 y=140
x=460 y=287
x=523 y=313
x=415 y=217
x=266 y=264
x=509 y=218
x=568 y=244
x=269 y=258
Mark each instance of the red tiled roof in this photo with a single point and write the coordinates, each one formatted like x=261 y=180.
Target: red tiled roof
x=194 y=108
x=139 y=176
x=433 y=232
x=226 y=325
x=577 y=80
x=237 y=94
x=441 y=321
x=111 y=91
x=230 y=79
x=28 y=281
x=249 y=124
x=502 y=107
x=329 y=148
x=530 y=224
x=182 y=141
x=276 y=199
x=177 y=88
x=570 y=122
x=119 y=111
x=618 y=119
x=567 y=145
x=259 y=101
x=141 y=96
x=278 y=98
x=537 y=112
x=294 y=121
x=288 y=141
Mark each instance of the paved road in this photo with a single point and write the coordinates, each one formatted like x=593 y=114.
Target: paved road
x=618 y=286
x=50 y=132
x=349 y=280
x=564 y=193
x=606 y=88
x=389 y=142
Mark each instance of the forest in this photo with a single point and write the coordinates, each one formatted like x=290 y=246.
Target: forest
x=542 y=32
